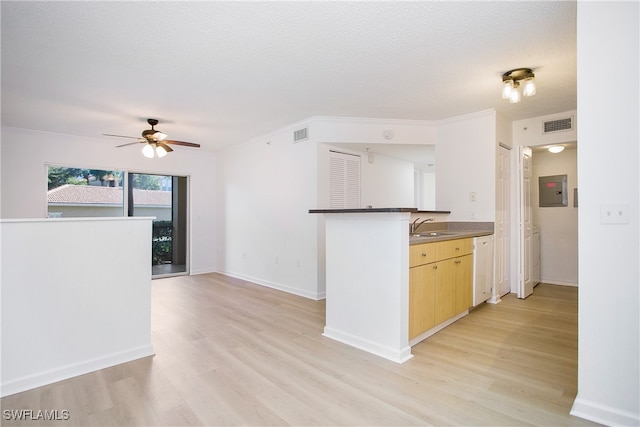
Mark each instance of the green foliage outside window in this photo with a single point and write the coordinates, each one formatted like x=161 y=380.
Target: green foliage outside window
x=59 y=176
x=162 y=245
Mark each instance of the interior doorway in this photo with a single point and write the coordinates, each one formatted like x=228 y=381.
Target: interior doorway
x=165 y=198
x=550 y=253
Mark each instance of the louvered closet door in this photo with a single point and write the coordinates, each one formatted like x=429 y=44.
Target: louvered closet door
x=344 y=180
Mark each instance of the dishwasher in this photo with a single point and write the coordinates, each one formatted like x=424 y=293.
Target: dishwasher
x=482 y=269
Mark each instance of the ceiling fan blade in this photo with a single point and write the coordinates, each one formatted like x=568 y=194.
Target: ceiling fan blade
x=121 y=136
x=129 y=143
x=165 y=146
x=186 y=144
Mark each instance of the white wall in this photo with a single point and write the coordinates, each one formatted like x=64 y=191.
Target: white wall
x=371 y=131
x=269 y=184
x=270 y=238
x=387 y=182
x=23 y=177
x=528 y=132
x=59 y=317
x=429 y=186
x=466 y=163
x=504 y=131
x=608 y=156
x=558 y=225
x=368 y=282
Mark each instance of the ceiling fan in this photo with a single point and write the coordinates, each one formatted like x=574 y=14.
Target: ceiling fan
x=155 y=141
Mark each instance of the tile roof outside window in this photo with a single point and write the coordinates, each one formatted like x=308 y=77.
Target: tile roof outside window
x=89 y=194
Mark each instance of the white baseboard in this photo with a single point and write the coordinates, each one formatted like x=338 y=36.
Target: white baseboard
x=274 y=285
x=423 y=336
x=202 y=271
x=603 y=414
x=559 y=282
x=389 y=353
x=51 y=376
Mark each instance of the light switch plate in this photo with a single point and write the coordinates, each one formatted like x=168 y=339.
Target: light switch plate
x=617 y=213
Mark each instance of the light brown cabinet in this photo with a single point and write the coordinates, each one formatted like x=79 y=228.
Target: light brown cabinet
x=423 y=253
x=440 y=283
x=464 y=282
x=422 y=290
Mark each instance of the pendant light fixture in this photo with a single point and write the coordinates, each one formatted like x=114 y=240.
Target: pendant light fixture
x=511 y=82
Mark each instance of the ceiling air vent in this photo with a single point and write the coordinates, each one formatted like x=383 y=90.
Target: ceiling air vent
x=558 y=125
x=301 y=135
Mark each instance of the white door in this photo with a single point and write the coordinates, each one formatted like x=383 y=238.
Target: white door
x=344 y=180
x=503 y=224
x=525 y=280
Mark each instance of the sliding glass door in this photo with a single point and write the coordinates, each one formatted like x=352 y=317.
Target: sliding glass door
x=164 y=197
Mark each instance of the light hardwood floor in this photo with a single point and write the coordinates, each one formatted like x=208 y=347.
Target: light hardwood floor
x=229 y=352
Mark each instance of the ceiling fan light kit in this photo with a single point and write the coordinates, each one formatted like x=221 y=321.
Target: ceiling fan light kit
x=155 y=141
x=151 y=150
x=513 y=79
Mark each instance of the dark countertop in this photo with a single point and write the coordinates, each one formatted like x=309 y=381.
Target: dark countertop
x=426 y=237
x=375 y=210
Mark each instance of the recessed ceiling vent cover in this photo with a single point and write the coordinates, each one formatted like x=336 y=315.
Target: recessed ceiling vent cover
x=558 y=125
x=301 y=135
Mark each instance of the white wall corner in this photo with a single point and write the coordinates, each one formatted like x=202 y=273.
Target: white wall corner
x=603 y=414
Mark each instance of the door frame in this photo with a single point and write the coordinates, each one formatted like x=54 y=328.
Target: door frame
x=185 y=216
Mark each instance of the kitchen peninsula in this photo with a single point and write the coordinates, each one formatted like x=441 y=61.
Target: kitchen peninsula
x=367 y=276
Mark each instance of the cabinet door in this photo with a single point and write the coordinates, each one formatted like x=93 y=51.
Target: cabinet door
x=453 y=248
x=464 y=282
x=422 y=253
x=445 y=290
x=422 y=281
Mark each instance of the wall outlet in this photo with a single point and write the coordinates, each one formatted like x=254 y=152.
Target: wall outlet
x=617 y=213
x=472 y=196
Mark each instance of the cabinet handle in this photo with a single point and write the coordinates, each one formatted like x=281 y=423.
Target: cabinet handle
x=457 y=249
x=424 y=254
x=435 y=267
x=457 y=261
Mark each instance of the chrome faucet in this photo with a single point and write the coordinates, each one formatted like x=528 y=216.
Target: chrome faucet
x=415 y=226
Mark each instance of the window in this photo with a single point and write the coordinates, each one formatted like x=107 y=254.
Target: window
x=77 y=192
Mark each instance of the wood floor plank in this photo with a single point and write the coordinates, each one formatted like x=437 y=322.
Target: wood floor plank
x=230 y=352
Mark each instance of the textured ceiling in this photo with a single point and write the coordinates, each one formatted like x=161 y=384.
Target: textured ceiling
x=220 y=73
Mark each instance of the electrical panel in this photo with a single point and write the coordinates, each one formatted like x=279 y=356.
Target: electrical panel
x=553 y=190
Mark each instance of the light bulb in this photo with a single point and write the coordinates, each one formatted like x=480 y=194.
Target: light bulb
x=148 y=151
x=529 y=88
x=159 y=136
x=506 y=89
x=514 y=97
x=160 y=151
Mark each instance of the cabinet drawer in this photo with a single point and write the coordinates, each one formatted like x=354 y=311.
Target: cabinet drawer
x=453 y=248
x=423 y=253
